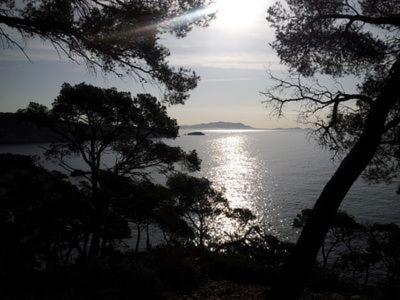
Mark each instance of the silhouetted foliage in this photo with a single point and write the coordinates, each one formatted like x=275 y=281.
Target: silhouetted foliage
x=44 y=218
x=47 y=223
x=343 y=230
x=116 y=36
x=384 y=243
x=93 y=122
x=208 y=213
x=365 y=256
x=370 y=259
x=338 y=38
x=200 y=203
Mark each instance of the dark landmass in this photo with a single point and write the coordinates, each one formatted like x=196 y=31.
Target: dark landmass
x=15 y=131
x=196 y=133
x=217 y=125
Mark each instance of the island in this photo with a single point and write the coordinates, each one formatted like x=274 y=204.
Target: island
x=196 y=133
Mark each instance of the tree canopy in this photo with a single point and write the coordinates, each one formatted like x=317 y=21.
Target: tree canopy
x=93 y=122
x=338 y=38
x=199 y=201
x=116 y=36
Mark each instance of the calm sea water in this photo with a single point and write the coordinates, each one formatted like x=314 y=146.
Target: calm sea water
x=275 y=173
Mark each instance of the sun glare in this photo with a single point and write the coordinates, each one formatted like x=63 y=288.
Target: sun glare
x=238 y=14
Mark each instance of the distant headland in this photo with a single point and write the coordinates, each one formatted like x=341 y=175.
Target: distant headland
x=217 y=125
x=231 y=126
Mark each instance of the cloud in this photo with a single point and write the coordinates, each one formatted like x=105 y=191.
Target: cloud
x=226 y=61
x=231 y=79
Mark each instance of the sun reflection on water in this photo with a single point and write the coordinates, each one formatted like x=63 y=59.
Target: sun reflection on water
x=241 y=175
x=233 y=167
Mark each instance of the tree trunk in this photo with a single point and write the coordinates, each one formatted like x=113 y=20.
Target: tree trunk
x=201 y=232
x=138 y=238
x=94 y=249
x=98 y=218
x=324 y=256
x=148 y=246
x=366 y=276
x=297 y=269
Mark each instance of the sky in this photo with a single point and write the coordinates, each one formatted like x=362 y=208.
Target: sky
x=232 y=56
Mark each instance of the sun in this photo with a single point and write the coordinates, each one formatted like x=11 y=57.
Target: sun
x=231 y=15
x=238 y=14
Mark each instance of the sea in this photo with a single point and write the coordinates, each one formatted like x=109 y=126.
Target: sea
x=274 y=173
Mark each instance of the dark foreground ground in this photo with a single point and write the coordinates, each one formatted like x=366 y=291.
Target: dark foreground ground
x=225 y=290
x=166 y=274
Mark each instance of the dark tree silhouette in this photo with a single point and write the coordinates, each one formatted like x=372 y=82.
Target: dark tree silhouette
x=384 y=243
x=43 y=217
x=91 y=122
x=340 y=37
x=143 y=204
x=117 y=36
x=199 y=202
x=342 y=231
